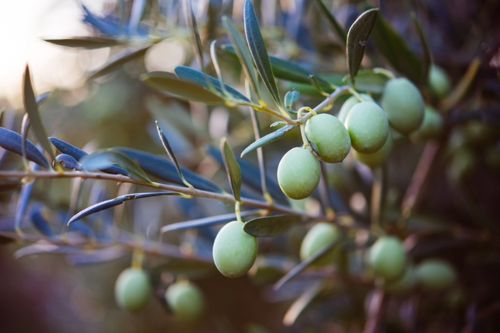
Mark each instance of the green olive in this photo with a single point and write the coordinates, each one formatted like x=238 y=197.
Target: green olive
x=349 y=103
x=328 y=137
x=403 y=104
x=404 y=284
x=438 y=81
x=435 y=274
x=132 y=289
x=387 y=258
x=298 y=173
x=378 y=158
x=319 y=237
x=234 y=250
x=368 y=127
x=185 y=300
x=431 y=125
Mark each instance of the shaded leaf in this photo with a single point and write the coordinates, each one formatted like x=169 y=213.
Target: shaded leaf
x=299 y=305
x=120 y=59
x=100 y=206
x=258 y=50
x=426 y=50
x=31 y=107
x=13 y=142
x=270 y=226
x=394 y=48
x=232 y=168
x=357 y=38
x=22 y=204
x=170 y=153
x=40 y=223
x=206 y=221
x=108 y=158
x=194 y=31
x=266 y=139
x=339 y=30
x=168 y=82
x=84 y=42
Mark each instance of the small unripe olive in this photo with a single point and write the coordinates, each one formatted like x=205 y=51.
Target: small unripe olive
x=185 y=300
x=387 y=258
x=403 y=104
x=404 y=284
x=298 y=173
x=378 y=158
x=431 y=125
x=320 y=236
x=132 y=289
x=350 y=102
x=367 y=126
x=328 y=137
x=438 y=81
x=435 y=274
x=234 y=250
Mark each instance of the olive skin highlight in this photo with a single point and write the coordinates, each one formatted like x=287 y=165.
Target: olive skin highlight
x=132 y=289
x=387 y=258
x=403 y=104
x=367 y=126
x=349 y=103
x=329 y=138
x=298 y=173
x=234 y=250
x=185 y=300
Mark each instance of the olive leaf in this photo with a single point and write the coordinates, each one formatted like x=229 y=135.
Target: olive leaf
x=120 y=59
x=232 y=168
x=339 y=30
x=40 y=223
x=270 y=226
x=84 y=42
x=31 y=108
x=357 y=38
x=299 y=305
x=427 y=53
x=206 y=221
x=266 y=139
x=13 y=142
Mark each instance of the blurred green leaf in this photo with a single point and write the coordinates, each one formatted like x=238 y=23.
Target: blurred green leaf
x=394 y=48
x=370 y=81
x=258 y=50
x=232 y=168
x=357 y=38
x=194 y=31
x=120 y=59
x=339 y=30
x=427 y=53
x=266 y=139
x=31 y=107
x=300 y=304
x=84 y=42
x=270 y=226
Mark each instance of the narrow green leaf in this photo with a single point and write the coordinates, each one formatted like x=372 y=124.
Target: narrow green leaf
x=258 y=50
x=266 y=139
x=206 y=221
x=194 y=31
x=170 y=153
x=232 y=168
x=426 y=50
x=120 y=59
x=31 y=107
x=107 y=158
x=84 y=42
x=168 y=82
x=394 y=48
x=270 y=226
x=357 y=38
x=333 y=21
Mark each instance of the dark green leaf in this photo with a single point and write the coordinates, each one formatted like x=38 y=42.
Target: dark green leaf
x=370 y=81
x=107 y=158
x=40 y=223
x=168 y=82
x=100 y=206
x=266 y=139
x=85 y=42
x=357 y=38
x=394 y=48
x=232 y=168
x=206 y=221
x=333 y=21
x=31 y=107
x=270 y=226
x=426 y=50
x=258 y=50
x=120 y=59
x=13 y=142
x=194 y=31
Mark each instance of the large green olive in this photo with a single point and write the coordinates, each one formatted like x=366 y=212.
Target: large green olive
x=328 y=137
x=234 y=250
x=403 y=104
x=435 y=274
x=378 y=158
x=349 y=103
x=319 y=237
x=431 y=126
x=438 y=81
x=387 y=258
x=367 y=126
x=404 y=284
x=185 y=300
x=132 y=289
x=298 y=173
